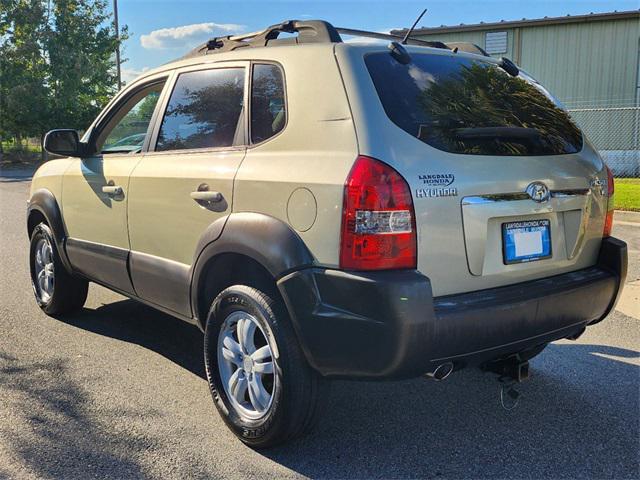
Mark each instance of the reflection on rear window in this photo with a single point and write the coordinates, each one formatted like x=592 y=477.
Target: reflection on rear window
x=473 y=107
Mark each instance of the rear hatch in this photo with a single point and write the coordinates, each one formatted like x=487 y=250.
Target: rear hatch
x=505 y=188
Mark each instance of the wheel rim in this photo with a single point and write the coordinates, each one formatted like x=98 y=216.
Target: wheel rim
x=44 y=270
x=246 y=366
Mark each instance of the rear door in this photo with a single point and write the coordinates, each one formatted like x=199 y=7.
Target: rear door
x=505 y=188
x=184 y=183
x=96 y=188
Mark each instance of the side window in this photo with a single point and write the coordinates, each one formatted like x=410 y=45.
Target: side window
x=268 y=113
x=127 y=129
x=204 y=110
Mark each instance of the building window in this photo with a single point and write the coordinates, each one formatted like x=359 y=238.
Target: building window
x=495 y=42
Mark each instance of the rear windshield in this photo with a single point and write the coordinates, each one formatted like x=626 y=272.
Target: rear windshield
x=473 y=107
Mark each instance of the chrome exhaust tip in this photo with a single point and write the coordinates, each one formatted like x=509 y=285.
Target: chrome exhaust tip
x=441 y=371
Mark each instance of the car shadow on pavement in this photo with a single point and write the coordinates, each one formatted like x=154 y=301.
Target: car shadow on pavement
x=573 y=418
x=50 y=425
x=572 y=421
x=134 y=322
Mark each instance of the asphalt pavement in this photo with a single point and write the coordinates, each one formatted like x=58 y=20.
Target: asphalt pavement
x=118 y=391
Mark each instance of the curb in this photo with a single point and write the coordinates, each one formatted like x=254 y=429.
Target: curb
x=626 y=216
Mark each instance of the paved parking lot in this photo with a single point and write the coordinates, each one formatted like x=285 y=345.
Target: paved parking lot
x=118 y=391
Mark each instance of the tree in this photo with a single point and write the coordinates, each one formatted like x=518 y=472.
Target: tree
x=23 y=70
x=81 y=61
x=57 y=64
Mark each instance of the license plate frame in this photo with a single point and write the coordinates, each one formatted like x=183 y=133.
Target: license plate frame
x=520 y=242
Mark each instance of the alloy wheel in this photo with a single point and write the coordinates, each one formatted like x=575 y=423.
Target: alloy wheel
x=246 y=365
x=44 y=270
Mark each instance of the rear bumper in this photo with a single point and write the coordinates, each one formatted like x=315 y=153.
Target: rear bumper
x=388 y=324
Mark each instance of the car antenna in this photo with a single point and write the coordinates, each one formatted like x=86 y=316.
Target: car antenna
x=397 y=50
x=410 y=31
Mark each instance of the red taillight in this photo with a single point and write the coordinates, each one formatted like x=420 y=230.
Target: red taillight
x=608 y=221
x=378 y=220
x=610 y=183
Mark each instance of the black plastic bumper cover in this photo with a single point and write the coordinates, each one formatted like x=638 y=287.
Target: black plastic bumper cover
x=388 y=325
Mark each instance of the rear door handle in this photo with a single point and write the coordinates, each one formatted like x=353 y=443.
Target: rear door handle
x=207 y=196
x=112 y=190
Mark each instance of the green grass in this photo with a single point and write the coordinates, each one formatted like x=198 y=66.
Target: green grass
x=627 y=194
x=14 y=155
x=28 y=147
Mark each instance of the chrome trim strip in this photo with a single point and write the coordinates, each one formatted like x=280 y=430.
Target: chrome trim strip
x=493 y=198
x=509 y=197
x=570 y=193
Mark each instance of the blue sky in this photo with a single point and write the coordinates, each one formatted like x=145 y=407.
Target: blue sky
x=162 y=30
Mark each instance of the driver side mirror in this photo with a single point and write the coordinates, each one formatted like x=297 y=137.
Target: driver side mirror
x=64 y=142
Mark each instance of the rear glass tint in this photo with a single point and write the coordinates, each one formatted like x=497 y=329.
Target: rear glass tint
x=268 y=114
x=467 y=106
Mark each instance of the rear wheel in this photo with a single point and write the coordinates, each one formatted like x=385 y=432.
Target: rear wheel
x=259 y=378
x=56 y=290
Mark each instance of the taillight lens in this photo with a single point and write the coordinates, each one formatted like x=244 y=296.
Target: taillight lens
x=378 y=220
x=608 y=221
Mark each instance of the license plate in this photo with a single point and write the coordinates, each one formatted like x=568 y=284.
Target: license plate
x=526 y=241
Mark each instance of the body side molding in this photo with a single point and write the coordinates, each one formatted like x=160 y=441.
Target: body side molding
x=102 y=263
x=161 y=281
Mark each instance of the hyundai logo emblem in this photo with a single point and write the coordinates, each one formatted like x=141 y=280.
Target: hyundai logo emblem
x=538 y=192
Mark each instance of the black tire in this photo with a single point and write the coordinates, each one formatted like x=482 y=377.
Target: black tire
x=69 y=292
x=299 y=395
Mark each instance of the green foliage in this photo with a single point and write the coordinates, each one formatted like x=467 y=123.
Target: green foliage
x=57 y=64
x=131 y=129
x=23 y=69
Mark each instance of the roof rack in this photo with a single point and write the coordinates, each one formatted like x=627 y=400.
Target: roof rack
x=389 y=36
x=311 y=31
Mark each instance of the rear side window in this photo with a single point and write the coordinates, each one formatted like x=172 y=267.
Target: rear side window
x=268 y=110
x=204 y=110
x=467 y=106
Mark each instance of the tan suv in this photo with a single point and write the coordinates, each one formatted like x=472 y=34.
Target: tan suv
x=324 y=209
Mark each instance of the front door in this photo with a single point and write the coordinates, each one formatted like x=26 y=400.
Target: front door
x=184 y=183
x=95 y=191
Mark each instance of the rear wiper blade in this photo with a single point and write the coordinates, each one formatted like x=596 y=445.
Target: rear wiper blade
x=498 y=132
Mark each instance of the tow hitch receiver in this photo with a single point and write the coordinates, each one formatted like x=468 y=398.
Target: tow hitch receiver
x=511 y=368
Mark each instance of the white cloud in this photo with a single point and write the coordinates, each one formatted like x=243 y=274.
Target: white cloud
x=187 y=35
x=368 y=40
x=422 y=79
x=129 y=74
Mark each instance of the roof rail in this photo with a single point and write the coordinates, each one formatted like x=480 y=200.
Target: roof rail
x=388 y=36
x=309 y=31
x=461 y=46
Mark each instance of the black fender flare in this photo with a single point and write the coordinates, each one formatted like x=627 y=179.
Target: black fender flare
x=44 y=202
x=267 y=240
